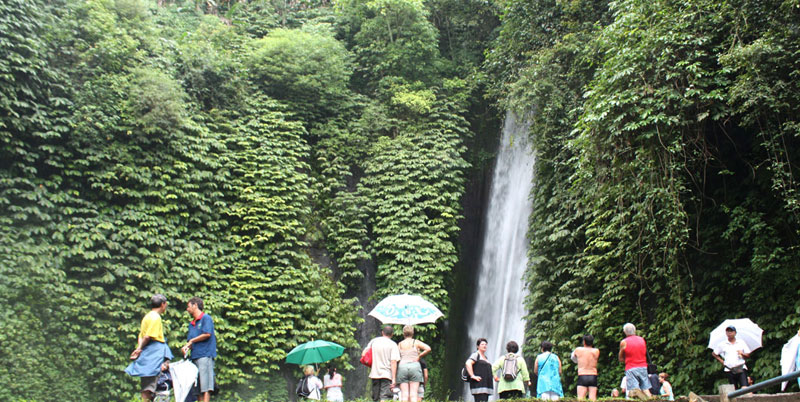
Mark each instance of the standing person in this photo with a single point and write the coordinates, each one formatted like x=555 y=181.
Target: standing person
x=409 y=371
x=424 y=378
x=633 y=352
x=548 y=367
x=731 y=353
x=201 y=341
x=480 y=373
x=666 y=388
x=383 y=372
x=511 y=388
x=333 y=386
x=586 y=357
x=313 y=383
x=152 y=355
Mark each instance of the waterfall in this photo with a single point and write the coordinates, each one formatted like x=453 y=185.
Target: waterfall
x=499 y=292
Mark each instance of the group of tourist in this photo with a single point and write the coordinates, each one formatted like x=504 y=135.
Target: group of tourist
x=511 y=374
x=152 y=355
x=514 y=374
x=398 y=371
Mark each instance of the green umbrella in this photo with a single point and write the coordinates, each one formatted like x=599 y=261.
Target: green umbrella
x=314 y=352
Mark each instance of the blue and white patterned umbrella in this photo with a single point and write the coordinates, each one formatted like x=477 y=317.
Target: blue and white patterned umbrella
x=405 y=309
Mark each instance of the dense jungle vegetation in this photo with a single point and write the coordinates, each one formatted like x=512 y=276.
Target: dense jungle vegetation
x=291 y=161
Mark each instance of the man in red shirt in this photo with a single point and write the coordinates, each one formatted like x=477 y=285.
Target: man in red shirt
x=633 y=352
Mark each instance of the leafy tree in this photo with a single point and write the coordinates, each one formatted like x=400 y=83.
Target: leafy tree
x=307 y=70
x=391 y=38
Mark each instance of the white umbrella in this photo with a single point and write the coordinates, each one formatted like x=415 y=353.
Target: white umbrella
x=405 y=309
x=746 y=330
x=788 y=358
x=184 y=374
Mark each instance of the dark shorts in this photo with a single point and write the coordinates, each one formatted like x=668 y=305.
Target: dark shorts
x=512 y=394
x=480 y=397
x=587 y=381
x=149 y=383
x=738 y=380
x=382 y=390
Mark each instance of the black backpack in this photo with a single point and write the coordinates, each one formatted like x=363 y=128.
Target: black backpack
x=302 y=388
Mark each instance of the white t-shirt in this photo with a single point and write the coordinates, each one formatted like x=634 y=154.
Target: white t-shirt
x=384 y=351
x=728 y=352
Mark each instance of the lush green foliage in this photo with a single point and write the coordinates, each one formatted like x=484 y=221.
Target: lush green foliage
x=271 y=156
x=664 y=191
x=309 y=71
x=170 y=148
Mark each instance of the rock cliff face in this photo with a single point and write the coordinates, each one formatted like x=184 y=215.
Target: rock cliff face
x=461 y=297
x=356 y=380
x=471 y=238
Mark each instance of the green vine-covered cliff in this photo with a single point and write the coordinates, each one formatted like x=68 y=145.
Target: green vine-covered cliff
x=292 y=162
x=667 y=142
x=264 y=156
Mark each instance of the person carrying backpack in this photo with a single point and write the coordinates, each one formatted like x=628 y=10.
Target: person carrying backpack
x=513 y=373
x=309 y=387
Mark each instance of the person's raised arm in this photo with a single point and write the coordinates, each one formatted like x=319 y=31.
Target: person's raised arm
x=423 y=348
x=745 y=352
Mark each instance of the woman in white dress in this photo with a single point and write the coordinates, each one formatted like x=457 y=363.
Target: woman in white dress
x=333 y=385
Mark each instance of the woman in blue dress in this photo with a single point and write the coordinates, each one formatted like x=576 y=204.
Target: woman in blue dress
x=548 y=368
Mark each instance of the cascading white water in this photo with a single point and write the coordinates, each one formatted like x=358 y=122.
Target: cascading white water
x=499 y=292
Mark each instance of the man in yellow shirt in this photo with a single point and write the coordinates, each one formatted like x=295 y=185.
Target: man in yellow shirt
x=152 y=355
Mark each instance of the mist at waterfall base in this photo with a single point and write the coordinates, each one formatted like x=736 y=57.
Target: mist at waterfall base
x=499 y=292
